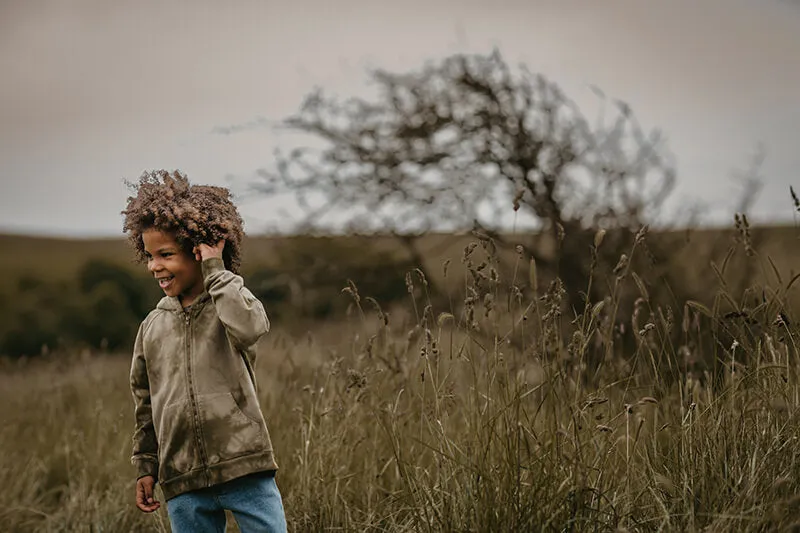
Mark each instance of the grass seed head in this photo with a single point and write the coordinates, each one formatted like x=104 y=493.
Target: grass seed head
x=598 y=238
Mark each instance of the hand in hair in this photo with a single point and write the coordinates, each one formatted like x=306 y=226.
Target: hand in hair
x=204 y=251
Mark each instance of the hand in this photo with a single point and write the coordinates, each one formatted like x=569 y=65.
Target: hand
x=144 y=494
x=204 y=251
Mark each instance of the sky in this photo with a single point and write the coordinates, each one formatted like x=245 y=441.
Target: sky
x=95 y=92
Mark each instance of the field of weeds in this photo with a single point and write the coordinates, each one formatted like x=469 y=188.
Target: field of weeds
x=501 y=411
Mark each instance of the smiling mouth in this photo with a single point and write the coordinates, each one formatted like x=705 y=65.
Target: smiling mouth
x=165 y=282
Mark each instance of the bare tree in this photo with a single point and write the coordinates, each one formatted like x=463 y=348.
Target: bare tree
x=469 y=143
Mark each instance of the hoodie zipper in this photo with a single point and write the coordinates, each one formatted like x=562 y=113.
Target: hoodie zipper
x=198 y=434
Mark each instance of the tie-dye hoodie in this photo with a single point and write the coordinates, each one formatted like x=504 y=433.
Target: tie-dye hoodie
x=198 y=422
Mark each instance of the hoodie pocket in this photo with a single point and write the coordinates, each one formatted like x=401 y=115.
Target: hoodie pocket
x=228 y=431
x=177 y=449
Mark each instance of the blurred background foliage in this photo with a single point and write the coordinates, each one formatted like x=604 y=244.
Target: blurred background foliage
x=98 y=304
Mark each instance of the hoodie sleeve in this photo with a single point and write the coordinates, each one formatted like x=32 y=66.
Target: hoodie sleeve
x=239 y=310
x=145 y=445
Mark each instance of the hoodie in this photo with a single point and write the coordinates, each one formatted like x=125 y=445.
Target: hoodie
x=198 y=421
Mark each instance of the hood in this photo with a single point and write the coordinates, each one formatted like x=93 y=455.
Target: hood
x=171 y=303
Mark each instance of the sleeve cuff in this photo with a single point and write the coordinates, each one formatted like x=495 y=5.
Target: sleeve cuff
x=212 y=266
x=146 y=468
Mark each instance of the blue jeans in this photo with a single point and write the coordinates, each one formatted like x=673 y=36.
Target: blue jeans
x=254 y=500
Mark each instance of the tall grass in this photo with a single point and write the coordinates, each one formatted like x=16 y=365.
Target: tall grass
x=502 y=411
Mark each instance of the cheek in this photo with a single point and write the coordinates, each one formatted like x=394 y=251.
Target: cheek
x=188 y=270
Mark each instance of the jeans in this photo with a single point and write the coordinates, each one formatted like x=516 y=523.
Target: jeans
x=254 y=500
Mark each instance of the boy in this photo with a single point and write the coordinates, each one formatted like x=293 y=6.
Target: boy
x=199 y=428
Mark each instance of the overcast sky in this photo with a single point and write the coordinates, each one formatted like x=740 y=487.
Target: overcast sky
x=93 y=92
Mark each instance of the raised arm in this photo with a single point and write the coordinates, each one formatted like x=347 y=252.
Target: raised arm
x=239 y=310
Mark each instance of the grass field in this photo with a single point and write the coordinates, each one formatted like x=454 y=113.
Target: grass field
x=481 y=416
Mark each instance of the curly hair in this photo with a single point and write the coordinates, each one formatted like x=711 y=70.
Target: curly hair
x=194 y=214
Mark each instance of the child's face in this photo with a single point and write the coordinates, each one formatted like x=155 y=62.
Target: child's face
x=178 y=273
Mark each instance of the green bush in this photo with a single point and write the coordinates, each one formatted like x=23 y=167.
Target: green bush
x=31 y=318
x=138 y=292
x=101 y=309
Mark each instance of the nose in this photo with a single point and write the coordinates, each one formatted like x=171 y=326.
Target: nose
x=153 y=265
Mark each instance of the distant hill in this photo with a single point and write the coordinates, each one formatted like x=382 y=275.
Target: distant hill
x=55 y=258
x=60 y=258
